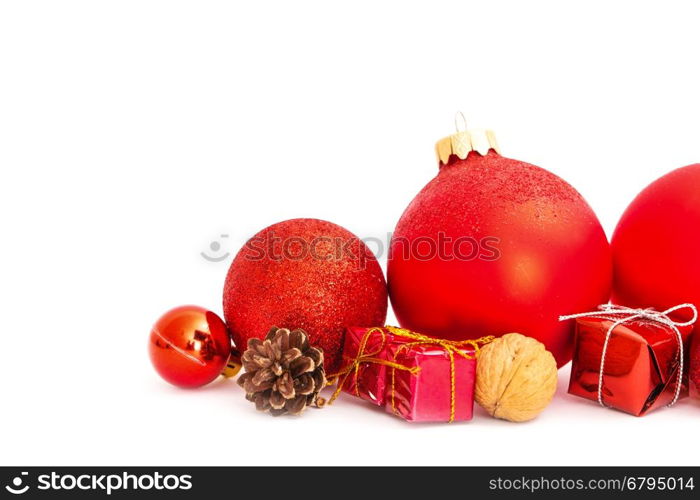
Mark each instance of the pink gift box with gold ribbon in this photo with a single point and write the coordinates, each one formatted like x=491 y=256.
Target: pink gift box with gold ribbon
x=419 y=378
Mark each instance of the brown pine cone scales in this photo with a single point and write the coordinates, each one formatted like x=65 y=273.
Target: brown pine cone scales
x=284 y=374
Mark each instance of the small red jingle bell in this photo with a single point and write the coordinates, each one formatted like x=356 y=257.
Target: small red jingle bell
x=190 y=346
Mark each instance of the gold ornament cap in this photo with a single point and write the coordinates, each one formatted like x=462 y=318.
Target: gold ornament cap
x=233 y=366
x=465 y=141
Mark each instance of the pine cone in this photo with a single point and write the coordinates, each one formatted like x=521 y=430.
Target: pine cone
x=284 y=374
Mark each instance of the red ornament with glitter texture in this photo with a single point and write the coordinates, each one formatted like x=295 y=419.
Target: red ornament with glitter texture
x=304 y=273
x=494 y=245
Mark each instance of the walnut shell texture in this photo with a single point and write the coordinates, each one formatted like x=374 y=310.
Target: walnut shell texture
x=516 y=378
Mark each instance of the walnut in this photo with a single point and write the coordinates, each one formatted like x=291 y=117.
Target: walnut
x=516 y=378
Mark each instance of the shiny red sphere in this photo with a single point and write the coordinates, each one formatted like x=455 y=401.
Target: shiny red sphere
x=656 y=245
x=493 y=245
x=309 y=274
x=189 y=346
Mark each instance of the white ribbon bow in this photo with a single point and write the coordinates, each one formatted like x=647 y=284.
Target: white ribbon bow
x=620 y=315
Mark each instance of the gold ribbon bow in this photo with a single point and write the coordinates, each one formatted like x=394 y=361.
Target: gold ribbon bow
x=451 y=347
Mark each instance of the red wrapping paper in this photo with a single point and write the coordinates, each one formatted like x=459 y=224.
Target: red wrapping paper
x=427 y=396
x=641 y=363
x=695 y=366
x=370 y=381
x=409 y=377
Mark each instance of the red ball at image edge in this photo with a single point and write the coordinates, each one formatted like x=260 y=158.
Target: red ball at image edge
x=551 y=256
x=656 y=245
x=309 y=274
x=189 y=346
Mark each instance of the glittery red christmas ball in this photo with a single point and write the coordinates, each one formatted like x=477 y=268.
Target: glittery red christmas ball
x=656 y=244
x=493 y=245
x=304 y=273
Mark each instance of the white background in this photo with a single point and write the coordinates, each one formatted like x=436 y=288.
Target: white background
x=134 y=133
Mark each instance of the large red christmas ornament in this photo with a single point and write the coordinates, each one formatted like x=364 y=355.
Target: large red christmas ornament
x=493 y=245
x=190 y=346
x=308 y=274
x=656 y=245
